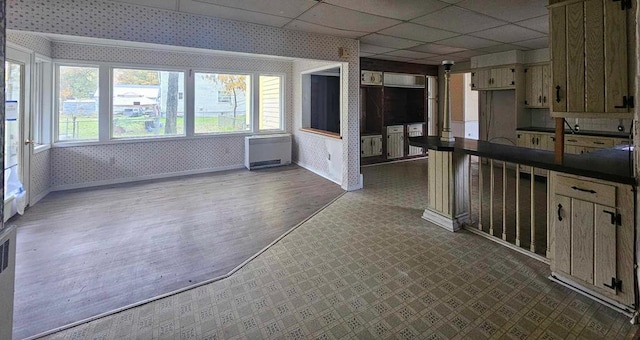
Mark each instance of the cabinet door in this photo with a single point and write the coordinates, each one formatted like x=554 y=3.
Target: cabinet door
x=562 y=234
x=532 y=84
x=376 y=145
x=558 y=36
x=522 y=139
x=365 y=146
x=545 y=89
x=605 y=249
x=480 y=79
x=395 y=145
x=582 y=246
x=502 y=77
x=575 y=57
x=615 y=60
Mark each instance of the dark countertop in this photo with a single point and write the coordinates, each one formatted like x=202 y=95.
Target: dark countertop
x=567 y=132
x=614 y=164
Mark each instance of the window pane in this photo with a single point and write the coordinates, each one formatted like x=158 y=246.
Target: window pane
x=78 y=103
x=222 y=102
x=270 y=115
x=147 y=103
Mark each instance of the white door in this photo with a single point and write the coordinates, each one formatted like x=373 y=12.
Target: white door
x=18 y=146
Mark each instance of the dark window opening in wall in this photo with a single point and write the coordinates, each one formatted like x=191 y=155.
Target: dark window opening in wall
x=322 y=100
x=325 y=103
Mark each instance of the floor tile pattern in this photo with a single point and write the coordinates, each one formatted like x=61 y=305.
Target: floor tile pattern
x=368 y=267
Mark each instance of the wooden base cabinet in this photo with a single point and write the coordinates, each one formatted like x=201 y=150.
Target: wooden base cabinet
x=371 y=145
x=591 y=235
x=395 y=141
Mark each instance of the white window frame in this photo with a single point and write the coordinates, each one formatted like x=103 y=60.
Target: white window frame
x=256 y=125
x=185 y=77
x=105 y=114
x=43 y=103
x=251 y=99
x=56 y=98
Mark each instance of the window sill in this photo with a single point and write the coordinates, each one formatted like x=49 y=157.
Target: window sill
x=40 y=148
x=322 y=133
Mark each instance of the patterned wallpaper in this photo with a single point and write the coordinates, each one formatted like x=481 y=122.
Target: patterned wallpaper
x=40 y=174
x=127 y=161
x=3 y=31
x=120 y=21
x=33 y=42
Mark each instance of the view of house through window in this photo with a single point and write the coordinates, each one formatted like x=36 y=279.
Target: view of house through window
x=147 y=103
x=78 y=103
x=222 y=102
x=270 y=103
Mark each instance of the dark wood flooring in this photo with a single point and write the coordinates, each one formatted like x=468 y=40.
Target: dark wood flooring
x=85 y=252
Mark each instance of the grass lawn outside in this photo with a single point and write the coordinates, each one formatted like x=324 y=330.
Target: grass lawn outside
x=86 y=127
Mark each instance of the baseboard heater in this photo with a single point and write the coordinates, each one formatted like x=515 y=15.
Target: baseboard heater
x=264 y=151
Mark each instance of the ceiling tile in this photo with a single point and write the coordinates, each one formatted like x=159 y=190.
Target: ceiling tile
x=390 y=57
x=500 y=48
x=464 y=54
x=313 y=28
x=232 y=13
x=374 y=49
x=426 y=61
x=417 y=32
x=284 y=8
x=508 y=10
x=410 y=54
x=451 y=1
x=398 y=9
x=508 y=34
x=534 y=43
x=540 y=24
x=436 y=49
x=458 y=20
x=164 y=4
x=468 y=42
x=387 y=41
x=346 y=19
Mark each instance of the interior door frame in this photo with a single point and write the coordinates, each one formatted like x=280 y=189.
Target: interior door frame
x=25 y=58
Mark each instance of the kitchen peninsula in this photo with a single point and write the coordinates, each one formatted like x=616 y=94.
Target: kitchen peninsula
x=590 y=209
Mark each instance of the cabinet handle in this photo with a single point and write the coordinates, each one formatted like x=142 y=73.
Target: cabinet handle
x=599 y=143
x=572 y=140
x=624 y=103
x=583 y=190
x=533 y=140
x=537 y=140
x=559 y=212
x=540 y=99
x=544 y=99
x=558 y=94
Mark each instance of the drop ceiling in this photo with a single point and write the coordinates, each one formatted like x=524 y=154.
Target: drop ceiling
x=418 y=31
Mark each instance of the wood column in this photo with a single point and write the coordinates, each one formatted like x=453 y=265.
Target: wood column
x=559 y=143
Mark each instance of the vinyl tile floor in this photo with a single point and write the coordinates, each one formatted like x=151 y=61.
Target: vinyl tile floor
x=368 y=267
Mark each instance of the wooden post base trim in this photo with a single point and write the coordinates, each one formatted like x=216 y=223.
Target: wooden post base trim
x=449 y=223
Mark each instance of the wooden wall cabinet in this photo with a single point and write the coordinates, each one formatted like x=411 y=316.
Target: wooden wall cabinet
x=592 y=58
x=537 y=79
x=591 y=235
x=497 y=78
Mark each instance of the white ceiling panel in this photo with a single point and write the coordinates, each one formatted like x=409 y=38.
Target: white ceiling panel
x=346 y=19
x=285 y=8
x=534 y=43
x=468 y=42
x=540 y=24
x=313 y=28
x=374 y=49
x=387 y=41
x=164 y=4
x=427 y=61
x=232 y=13
x=390 y=57
x=501 y=48
x=410 y=54
x=437 y=49
x=508 y=34
x=398 y=9
x=459 y=20
x=417 y=32
x=451 y=1
x=464 y=54
x=507 y=10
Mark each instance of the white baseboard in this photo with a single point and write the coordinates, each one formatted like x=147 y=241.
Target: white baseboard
x=144 y=178
x=306 y=166
x=449 y=223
